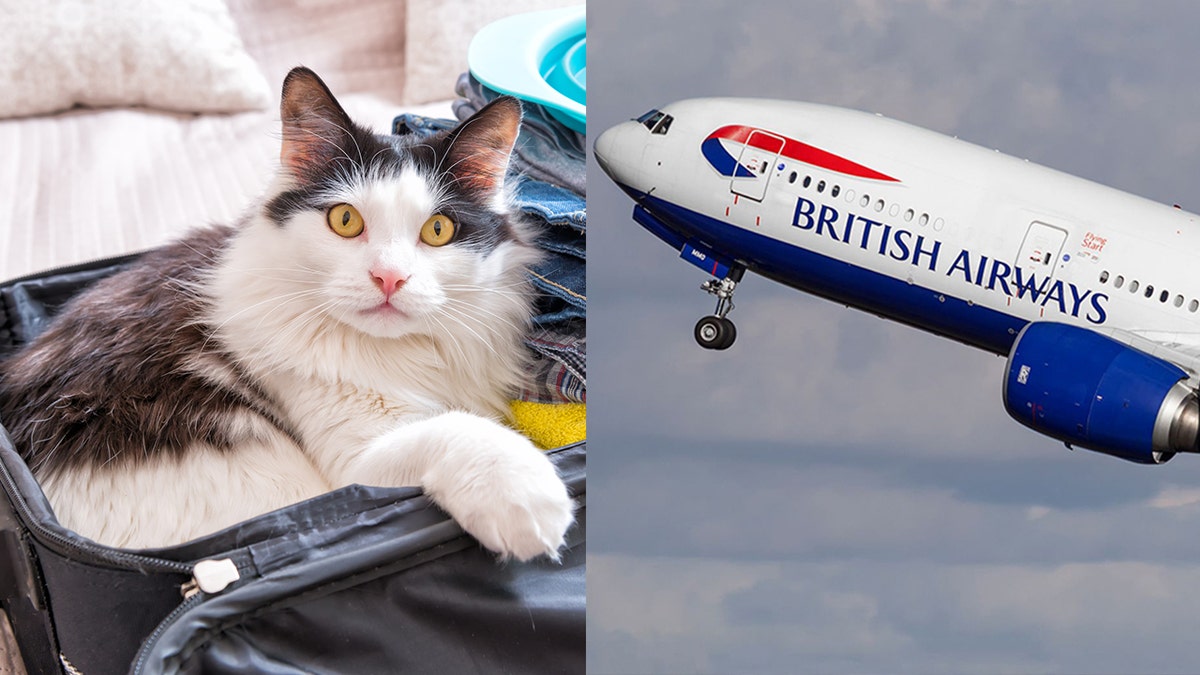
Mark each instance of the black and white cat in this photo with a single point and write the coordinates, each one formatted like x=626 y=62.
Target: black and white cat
x=362 y=324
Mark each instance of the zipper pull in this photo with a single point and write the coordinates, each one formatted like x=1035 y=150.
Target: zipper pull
x=211 y=576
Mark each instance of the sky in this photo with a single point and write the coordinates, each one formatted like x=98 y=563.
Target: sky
x=838 y=493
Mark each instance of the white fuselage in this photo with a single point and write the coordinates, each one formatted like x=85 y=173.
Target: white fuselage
x=910 y=224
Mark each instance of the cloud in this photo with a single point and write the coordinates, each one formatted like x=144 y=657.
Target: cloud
x=807 y=503
x=1176 y=497
x=803 y=370
x=715 y=616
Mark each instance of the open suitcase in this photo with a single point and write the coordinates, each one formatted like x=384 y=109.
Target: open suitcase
x=359 y=580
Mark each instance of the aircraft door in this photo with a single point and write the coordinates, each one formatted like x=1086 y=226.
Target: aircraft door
x=1040 y=251
x=759 y=156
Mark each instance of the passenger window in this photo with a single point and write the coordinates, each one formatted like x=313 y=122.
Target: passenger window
x=1193 y=305
x=866 y=199
x=1104 y=276
x=1164 y=296
x=820 y=186
x=1179 y=301
x=924 y=219
x=807 y=181
x=1133 y=286
x=792 y=178
x=1119 y=281
x=908 y=215
x=834 y=192
x=1149 y=290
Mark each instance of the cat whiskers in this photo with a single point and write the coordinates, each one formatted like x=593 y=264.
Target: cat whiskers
x=298 y=325
x=277 y=303
x=444 y=311
x=453 y=340
x=465 y=310
x=518 y=297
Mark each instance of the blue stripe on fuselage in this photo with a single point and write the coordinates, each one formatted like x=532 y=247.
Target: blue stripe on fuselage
x=846 y=283
x=721 y=160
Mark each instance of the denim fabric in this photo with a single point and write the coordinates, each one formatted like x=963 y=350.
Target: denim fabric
x=421 y=126
x=561 y=274
x=559 y=341
x=553 y=204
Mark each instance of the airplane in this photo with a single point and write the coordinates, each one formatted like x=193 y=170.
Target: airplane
x=1086 y=289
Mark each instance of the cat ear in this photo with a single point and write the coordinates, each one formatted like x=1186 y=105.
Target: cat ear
x=480 y=147
x=316 y=130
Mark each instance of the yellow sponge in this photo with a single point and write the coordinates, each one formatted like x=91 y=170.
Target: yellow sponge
x=550 y=425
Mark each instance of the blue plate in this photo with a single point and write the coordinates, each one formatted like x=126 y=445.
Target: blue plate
x=539 y=57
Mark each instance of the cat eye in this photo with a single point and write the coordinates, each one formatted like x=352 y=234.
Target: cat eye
x=437 y=231
x=345 y=221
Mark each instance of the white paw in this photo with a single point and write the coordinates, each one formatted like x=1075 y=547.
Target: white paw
x=507 y=495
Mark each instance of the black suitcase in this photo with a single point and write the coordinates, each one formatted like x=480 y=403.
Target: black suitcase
x=359 y=580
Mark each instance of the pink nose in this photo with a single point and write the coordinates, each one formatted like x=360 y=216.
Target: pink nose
x=388 y=281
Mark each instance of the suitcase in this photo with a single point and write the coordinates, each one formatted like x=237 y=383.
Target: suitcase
x=359 y=580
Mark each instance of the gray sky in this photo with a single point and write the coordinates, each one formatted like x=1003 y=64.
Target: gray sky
x=837 y=493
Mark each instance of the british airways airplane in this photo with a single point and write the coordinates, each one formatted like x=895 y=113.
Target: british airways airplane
x=1086 y=289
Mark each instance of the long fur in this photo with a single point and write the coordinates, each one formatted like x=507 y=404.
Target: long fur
x=245 y=368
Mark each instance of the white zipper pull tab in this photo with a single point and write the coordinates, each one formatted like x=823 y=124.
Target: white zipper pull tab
x=211 y=576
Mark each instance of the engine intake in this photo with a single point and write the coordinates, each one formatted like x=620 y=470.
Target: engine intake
x=1090 y=390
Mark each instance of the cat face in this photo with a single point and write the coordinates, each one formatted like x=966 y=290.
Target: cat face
x=395 y=235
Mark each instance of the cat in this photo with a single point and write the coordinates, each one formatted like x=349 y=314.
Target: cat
x=361 y=324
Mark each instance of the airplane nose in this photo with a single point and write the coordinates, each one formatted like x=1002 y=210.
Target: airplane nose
x=618 y=151
x=603 y=149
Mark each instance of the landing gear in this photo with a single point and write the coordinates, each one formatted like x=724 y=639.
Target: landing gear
x=716 y=331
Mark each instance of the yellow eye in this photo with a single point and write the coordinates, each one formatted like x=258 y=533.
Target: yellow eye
x=345 y=221
x=437 y=231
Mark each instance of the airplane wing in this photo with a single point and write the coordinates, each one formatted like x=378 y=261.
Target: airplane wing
x=1182 y=349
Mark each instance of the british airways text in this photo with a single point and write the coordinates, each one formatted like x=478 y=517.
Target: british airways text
x=904 y=246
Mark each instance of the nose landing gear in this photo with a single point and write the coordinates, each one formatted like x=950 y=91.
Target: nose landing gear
x=716 y=331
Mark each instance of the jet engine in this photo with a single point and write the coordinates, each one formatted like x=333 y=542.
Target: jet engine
x=1090 y=390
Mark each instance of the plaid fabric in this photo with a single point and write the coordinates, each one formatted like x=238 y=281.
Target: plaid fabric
x=559 y=372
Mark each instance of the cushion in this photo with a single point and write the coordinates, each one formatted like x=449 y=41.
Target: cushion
x=182 y=55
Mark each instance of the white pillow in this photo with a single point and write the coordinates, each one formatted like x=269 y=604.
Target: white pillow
x=180 y=55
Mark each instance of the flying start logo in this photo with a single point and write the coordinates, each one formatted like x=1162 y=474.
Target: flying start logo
x=904 y=245
x=717 y=147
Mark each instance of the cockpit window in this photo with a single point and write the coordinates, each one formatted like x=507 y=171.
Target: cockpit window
x=656 y=121
x=650 y=118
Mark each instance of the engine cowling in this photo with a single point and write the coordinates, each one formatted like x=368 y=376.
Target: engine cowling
x=1090 y=390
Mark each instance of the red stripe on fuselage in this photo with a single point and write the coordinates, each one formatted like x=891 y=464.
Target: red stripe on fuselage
x=796 y=150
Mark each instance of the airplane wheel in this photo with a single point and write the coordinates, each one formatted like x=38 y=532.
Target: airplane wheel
x=730 y=334
x=714 y=332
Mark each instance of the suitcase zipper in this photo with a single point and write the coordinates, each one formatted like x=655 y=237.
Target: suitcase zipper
x=210 y=576
x=139 y=663
x=84 y=266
